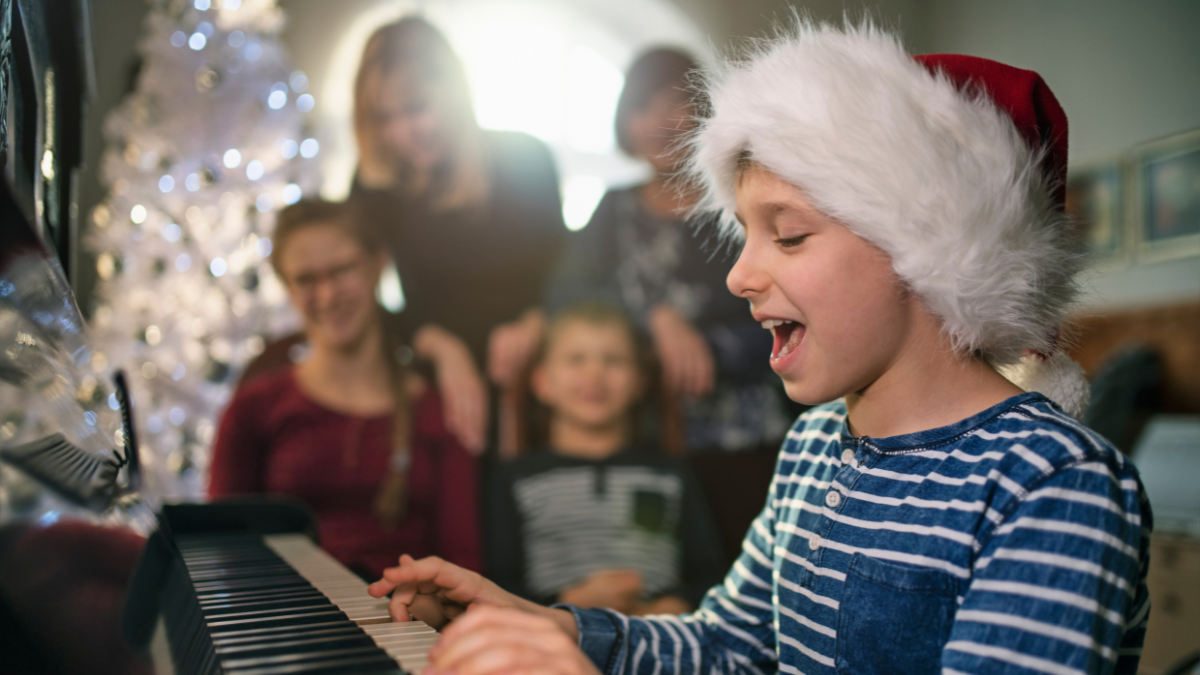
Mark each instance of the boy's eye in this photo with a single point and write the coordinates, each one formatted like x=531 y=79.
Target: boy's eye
x=788 y=242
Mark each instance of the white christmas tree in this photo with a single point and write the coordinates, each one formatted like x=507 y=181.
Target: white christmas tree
x=200 y=156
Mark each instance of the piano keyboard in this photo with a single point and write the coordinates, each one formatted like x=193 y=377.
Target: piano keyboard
x=406 y=642
x=278 y=605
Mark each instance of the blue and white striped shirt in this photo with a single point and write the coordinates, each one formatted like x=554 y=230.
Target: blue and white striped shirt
x=1014 y=541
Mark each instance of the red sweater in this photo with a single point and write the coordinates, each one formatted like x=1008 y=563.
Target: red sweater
x=275 y=440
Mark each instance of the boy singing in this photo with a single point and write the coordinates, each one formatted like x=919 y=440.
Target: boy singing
x=904 y=239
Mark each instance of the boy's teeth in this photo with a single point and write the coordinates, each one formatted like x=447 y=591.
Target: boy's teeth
x=770 y=324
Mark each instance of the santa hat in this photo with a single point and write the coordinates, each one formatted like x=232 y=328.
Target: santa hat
x=953 y=165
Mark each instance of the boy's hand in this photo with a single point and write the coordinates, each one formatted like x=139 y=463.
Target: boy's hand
x=613 y=589
x=687 y=361
x=494 y=640
x=436 y=592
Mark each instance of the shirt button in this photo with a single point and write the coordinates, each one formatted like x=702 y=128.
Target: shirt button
x=847 y=456
x=833 y=498
x=814 y=543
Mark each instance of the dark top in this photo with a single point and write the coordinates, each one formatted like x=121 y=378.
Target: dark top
x=557 y=519
x=275 y=440
x=638 y=260
x=470 y=270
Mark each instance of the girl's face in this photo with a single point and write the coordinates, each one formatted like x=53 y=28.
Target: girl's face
x=331 y=282
x=411 y=118
x=589 y=375
x=654 y=130
x=841 y=317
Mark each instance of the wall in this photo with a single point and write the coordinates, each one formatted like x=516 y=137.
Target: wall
x=1125 y=72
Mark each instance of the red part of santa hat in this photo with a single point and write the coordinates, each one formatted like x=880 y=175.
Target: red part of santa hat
x=1026 y=98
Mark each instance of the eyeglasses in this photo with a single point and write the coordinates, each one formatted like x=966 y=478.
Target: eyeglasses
x=340 y=276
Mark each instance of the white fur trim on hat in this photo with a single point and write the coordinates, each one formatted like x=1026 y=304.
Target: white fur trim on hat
x=1058 y=378
x=939 y=179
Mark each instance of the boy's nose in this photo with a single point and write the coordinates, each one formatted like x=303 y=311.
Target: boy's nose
x=745 y=280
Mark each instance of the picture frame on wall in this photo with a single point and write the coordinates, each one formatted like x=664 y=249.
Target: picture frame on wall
x=1096 y=206
x=1167 y=196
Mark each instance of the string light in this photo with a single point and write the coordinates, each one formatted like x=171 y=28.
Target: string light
x=197 y=41
x=232 y=158
x=137 y=214
x=291 y=193
x=305 y=103
x=288 y=148
x=254 y=170
x=309 y=148
x=236 y=39
x=166 y=183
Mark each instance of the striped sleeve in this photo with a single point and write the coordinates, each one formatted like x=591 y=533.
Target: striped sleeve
x=1059 y=589
x=733 y=631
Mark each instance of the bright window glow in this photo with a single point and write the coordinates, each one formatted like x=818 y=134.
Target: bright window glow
x=166 y=183
x=192 y=182
x=232 y=158
x=292 y=193
x=237 y=38
x=288 y=148
x=264 y=202
x=254 y=170
x=309 y=148
x=305 y=103
x=183 y=263
x=581 y=195
x=137 y=214
x=171 y=232
x=593 y=86
x=178 y=38
x=197 y=41
x=218 y=267
x=277 y=100
x=390 y=293
x=517 y=72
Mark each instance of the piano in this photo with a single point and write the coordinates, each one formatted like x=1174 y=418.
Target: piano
x=243 y=589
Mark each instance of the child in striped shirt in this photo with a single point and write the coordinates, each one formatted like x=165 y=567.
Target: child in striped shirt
x=903 y=237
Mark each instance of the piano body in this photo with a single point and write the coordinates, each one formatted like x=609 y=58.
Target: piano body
x=243 y=589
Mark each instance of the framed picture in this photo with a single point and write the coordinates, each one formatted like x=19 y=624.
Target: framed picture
x=1167 y=201
x=1096 y=206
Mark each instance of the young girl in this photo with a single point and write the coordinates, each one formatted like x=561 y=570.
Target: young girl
x=903 y=237
x=348 y=430
x=593 y=519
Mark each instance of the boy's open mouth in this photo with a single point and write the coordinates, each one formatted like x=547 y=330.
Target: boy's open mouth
x=788 y=335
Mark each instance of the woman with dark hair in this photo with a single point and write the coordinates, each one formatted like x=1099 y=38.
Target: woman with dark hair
x=640 y=252
x=348 y=430
x=472 y=218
